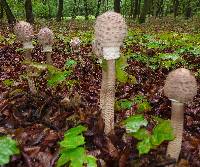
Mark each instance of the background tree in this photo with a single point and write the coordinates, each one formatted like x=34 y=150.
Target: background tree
x=60 y=10
x=117 y=6
x=144 y=11
x=86 y=9
x=98 y=8
x=29 y=12
x=176 y=5
x=1 y=11
x=9 y=14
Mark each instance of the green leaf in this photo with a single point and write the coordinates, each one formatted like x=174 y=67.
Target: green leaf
x=144 y=146
x=71 y=142
x=8 y=82
x=8 y=147
x=124 y=104
x=73 y=138
x=141 y=134
x=72 y=151
x=121 y=74
x=70 y=63
x=162 y=132
x=91 y=161
x=143 y=107
x=75 y=131
x=58 y=77
x=133 y=123
x=75 y=157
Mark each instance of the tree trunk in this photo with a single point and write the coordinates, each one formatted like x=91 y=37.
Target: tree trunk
x=60 y=10
x=9 y=14
x=188 y=10
x=176 y=4
x=117 y=6
x=144 y=11
x=1 y=11
x=86 y=9
x=49 y=9
x=74 y=10
x=135 y=14
x=29 y=12
x=98 y=8
x=159 y=11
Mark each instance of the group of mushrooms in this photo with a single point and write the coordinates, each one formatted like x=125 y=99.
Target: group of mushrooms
x=110 y=30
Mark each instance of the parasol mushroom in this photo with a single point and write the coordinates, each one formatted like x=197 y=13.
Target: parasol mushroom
x=180 y=87
x=45 y=37
x=110 y=31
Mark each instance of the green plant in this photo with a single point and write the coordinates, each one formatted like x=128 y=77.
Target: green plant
x=148 y=139
x=140 y=102
x=8 y=147
x=72 y=151
x=8 y=82
x=55 y=76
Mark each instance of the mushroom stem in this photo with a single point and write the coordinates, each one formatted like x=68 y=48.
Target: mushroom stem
x=177 y=120
x=103 y=89
x=31 y=83
x=49 y=59
x=27 y=54
x=108 y=108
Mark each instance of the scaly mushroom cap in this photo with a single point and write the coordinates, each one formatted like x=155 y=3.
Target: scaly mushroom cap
x=45 y=37
x=110 y=31
x=180 y=85
x=97 y=49
x=24 y=33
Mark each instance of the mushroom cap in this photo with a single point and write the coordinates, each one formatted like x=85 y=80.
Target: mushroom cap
x=180 y=85
x=110 y=29
x=23 y=31
x=45 y=36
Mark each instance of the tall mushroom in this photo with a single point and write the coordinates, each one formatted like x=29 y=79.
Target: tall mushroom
x=110 y=31
x=24 y=33
x=45 y=37
x=180 y=87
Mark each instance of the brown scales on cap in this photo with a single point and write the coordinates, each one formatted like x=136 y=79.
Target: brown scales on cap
x=45 y=37
x=180 y=87
x=110 y=29
x=23 y=31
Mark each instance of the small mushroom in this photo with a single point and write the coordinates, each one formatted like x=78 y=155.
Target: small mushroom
x=24 y=33
x=110 y=31
x=75 y=44
x=180 y=87
x=45 y=37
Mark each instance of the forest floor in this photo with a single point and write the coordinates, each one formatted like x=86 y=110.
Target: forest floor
x=38 y=122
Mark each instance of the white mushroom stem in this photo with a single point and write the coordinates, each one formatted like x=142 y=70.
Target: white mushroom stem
x=31 y=82
x=103 y=89
x=31 y=85
x=49 y=59
x=177 y=120
x=108 y=108
x=27 y=54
